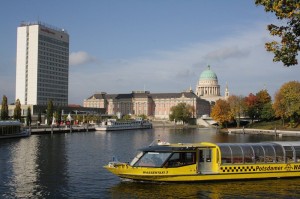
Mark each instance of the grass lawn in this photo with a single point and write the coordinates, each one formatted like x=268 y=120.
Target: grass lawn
x=272 y=125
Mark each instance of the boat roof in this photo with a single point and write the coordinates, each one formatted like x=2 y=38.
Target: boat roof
x=165 y=146
x=9 y=123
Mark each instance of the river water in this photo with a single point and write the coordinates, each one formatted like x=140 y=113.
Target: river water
x=71 y=166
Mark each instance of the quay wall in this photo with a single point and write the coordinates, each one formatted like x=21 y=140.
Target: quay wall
x=274 y=132
x=47 y=130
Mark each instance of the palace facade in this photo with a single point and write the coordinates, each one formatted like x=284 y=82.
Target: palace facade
x=154 y=105
x=158 y=105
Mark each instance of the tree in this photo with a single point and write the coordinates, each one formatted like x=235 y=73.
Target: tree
x=221 y=112
x=4 y=108
x=267 y=112
x=49 y=112
x=181 y=112
x=28 y=116
x=263 y=98
x=237 y=107
x=251 y=106
x=39 y=117
x=287 y=101
x=58 y=116
x=287 y=11
x=17 y=110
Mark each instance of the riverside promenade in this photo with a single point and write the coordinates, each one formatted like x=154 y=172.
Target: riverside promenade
x=63 y=129
x=274 y=132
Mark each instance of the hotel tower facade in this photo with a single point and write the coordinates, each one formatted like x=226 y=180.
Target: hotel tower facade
x=42 y=64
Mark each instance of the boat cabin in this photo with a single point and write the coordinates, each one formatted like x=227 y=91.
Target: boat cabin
x=209 y=156
x=9 y=127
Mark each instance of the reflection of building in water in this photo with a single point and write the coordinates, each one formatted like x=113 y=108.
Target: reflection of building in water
x=52 y=166
x=21 y=167
x=208 y=87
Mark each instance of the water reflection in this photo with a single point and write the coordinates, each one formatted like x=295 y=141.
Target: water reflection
x=71 y=166
x=278 y=188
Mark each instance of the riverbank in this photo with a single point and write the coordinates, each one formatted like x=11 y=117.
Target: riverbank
x=274 y=132
x=63 y=129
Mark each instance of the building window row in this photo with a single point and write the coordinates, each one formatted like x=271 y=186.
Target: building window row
x=58 y=56
x=53 y=41
x=64 y=61
x=58 y=74
x=55 y=51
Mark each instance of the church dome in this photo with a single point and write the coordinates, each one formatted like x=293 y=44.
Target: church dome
x=208 y=75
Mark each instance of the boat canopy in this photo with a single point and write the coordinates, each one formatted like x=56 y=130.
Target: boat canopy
x=264 y=152
x=10 y=123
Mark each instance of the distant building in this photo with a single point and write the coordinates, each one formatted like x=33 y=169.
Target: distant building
x=158 y=105
x=42 y=64
x=155 y=105
x=208 y=88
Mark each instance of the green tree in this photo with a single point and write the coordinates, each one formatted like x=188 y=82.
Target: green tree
x=4 y=108
x=287 y=102
x=28 y=117
x=181 y=112
x=267 y=112
x=39 y=117
x=263 y=98
x=58 y=115
x=17 y=110
x=49 y=112
x=237 y=107
x=221 y=112
x=287 y=11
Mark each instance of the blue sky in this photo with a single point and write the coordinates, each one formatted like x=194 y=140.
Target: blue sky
x=117 y=46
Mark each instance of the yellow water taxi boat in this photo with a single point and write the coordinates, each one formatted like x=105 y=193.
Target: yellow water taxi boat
x=183 y=162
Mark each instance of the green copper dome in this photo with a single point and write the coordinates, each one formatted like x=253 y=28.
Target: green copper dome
x=208 y=75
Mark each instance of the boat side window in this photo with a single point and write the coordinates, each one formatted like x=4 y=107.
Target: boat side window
x=259 y=154
x=152 y=159
x=269 y=153
x=297 y=150
x=237 y=154
x=225 y=154
x=248 y=153
x=289 y=153
x=181 y=159
x=279 y=153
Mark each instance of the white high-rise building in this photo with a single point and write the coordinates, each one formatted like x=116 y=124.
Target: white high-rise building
x=42 y=65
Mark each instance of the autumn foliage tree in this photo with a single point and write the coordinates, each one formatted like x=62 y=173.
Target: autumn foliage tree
x=221 y=112
x=237 y=107
x=287 y=102
x=287 y=11
x=251 y=105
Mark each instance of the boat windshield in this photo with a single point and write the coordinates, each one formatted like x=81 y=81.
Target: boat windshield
x=152 y=159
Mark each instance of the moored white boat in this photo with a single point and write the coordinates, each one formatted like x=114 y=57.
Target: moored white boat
x=13 y=129
x=114 y=125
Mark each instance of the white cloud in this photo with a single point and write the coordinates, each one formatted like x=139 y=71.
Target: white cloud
x=241 y=60
x=80 y=58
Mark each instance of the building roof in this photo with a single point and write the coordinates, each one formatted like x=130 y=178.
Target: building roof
x=208 y=74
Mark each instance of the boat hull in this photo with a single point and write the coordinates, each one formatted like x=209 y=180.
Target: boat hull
x=190 y=174
x=113 y=128
x=26 y=133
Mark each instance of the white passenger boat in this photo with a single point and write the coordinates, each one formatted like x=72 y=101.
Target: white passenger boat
x=13 y=129
x=114 y=125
